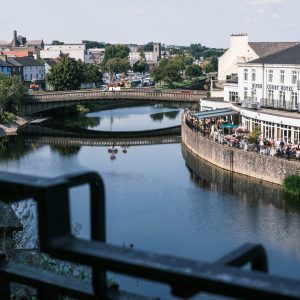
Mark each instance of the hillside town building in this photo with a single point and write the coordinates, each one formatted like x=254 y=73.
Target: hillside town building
x=242 y=51
x=151 y=57
x=76 y=51
x=21 y=44
x=266 y=93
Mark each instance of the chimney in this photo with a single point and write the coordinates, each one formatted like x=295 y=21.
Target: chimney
x=3 y=57
x=15 y=40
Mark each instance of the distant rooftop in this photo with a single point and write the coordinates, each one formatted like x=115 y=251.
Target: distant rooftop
x=267 y=48
x=290 y=56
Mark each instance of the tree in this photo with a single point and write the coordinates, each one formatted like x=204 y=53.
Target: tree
x=193 y=71
x=212 y=66
x=148 y=47
x=12 y=93
x=93 y=44
x=117 y=65
x=115 y=51
x=67 y=74
x=56 y=42
x=139 y=67
x=91 y=73
x=168 y=70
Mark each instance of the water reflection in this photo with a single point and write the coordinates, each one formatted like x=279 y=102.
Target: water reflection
x=144 y=117
x=158 y=117
x=78 y=121
x=245 y=188
x=65 y=150
x=13 y=148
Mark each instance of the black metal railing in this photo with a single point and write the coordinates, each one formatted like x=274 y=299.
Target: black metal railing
x=185 y=277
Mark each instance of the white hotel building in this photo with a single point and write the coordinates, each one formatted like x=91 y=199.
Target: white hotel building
x=266 y=93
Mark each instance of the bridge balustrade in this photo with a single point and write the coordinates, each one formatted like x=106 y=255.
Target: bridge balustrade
x=57 y=96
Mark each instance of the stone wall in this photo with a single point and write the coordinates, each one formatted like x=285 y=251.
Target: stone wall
x=259 y=166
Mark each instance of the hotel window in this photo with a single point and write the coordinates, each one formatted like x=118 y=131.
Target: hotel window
x=296 y=135
x=270 y=95
x=245 y=74
x=294 y=100
x=245 y=93
x=253 y=75
x=294 y=77
x=281 y=76
x=253 y=95
x=233 y=96
x=270 y=77
x=282 y=99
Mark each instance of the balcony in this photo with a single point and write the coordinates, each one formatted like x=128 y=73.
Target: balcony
x=251 y=103
x=279 y=104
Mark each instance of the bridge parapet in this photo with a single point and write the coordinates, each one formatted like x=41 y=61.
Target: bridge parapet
x=90 y=95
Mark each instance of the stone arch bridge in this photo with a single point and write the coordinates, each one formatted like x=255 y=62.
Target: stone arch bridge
x=37 y=103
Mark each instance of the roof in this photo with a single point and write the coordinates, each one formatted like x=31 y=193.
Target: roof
x=290 y=56
x=215 y=113
x=50 y=62
x=34 y=42
x=24 y=61
x=6 y=43
x=267 y=48
x=234 y=79
x=5 y=64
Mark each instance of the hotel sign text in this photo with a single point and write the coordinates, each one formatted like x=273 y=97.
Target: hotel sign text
x=273 y=87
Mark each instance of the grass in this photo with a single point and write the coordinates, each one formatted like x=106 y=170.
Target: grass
x=291 y=188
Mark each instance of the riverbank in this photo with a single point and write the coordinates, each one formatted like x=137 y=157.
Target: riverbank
x=268 y=168
x=12 y=127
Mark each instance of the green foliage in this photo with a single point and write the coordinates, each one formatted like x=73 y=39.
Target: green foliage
x=148 y=47
x=91 y=73
x=115 y=51
x=169 y=70
x=12 y=94
x=56 y=42
x=193 y=71
x=93 y=44
x=116 y=59
x=212 y=66
x=197 y=51
x=117 y=65
x=67 y=74
x=139 y=67
x=254 y=135
x=291 y=188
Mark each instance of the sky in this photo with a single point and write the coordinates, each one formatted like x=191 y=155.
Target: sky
x=171 y=22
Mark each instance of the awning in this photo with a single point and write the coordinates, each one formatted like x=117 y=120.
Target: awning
x=215 y=113
x=229 y=126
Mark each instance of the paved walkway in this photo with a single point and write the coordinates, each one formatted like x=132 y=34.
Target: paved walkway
x=12 y=127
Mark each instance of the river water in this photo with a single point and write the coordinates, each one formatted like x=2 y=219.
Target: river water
x=161 y=198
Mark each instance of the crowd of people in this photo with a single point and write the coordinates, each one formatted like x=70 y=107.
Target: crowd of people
x=237 y=136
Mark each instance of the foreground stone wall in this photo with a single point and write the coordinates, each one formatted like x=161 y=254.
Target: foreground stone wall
x=259 y=166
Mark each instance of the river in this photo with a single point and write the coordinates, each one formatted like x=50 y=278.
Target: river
x=161 y=198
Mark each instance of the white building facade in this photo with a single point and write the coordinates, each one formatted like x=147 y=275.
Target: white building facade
x=76 y=51
x=267 y=95
x=270 y=85
x=242 y=51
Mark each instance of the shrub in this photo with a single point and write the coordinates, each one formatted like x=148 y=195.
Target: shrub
x=291 y=188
